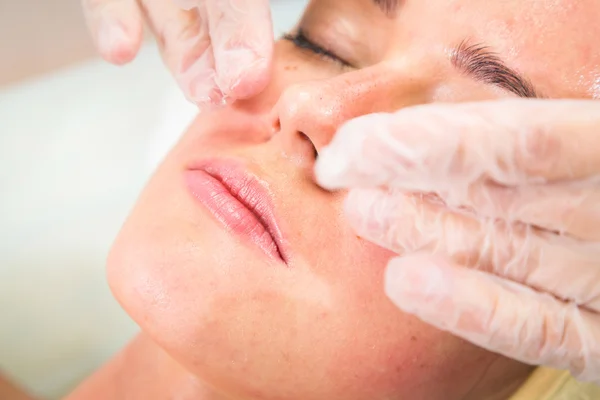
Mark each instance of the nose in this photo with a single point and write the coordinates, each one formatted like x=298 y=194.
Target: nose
x=308 y=114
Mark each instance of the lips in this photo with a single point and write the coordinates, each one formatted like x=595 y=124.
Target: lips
x=239 y=201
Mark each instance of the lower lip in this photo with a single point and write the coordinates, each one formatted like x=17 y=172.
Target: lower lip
x=230 y=212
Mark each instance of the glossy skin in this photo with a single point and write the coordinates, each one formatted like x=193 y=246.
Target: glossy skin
x=321 y=327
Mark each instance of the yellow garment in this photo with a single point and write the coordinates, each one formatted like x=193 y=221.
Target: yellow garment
x=550 y=384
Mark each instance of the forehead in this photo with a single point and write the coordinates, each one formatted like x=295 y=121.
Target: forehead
x=553 y=42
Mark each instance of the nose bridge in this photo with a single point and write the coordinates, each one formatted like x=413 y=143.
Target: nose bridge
x=318 y=108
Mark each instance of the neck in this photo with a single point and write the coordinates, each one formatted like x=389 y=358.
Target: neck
x=143 y=371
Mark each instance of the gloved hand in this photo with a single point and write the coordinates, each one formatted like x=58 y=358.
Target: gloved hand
x=218 y=50
x=494 y=209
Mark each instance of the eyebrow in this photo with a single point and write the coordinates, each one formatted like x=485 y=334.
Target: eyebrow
x=484 y=65
x=479 y=62
x=387 y=6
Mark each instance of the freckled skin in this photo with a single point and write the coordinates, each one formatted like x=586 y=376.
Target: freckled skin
x=219 y=321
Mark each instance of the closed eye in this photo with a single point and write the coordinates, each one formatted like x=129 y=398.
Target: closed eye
x=300 y=40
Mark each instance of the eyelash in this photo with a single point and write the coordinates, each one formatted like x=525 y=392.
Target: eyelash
x=301 y=41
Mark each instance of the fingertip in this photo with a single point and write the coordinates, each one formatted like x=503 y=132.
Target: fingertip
x=332 y=168
x=204 y=94
x=396 y=284
x=243 y=42
x=393 y=277
x=350 y=159
x=241 y=72
x=187 y=4
x=197 y=80
x=415 y=280
x=368 y=212
x=207 y=97
x=117 y=44
x=250 y=82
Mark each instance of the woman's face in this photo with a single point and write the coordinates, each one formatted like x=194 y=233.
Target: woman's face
x=278 y=298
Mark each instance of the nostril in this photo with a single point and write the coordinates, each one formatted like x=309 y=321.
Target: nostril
x=276 y=127
x=314 y=148
x=275 y=119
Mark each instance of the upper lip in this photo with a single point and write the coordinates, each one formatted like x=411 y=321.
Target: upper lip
x=236 y=179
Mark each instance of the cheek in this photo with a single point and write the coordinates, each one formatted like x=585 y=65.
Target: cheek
x=322 y=329
x=364 y=343
x=394 y=352
x=399 y=355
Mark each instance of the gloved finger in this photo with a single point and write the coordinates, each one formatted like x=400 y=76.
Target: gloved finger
x=498 y=315
x=188 y=4
x=445 y=148
x=184 y=41
x=400 y=221
x=116 y=27
x=562 y=266
x=242 y=38
x=571 y=208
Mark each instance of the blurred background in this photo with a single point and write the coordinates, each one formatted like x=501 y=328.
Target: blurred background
x=78 y=139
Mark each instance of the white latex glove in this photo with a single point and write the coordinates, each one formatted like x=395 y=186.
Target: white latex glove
x=218 y=50
x=494 y=208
